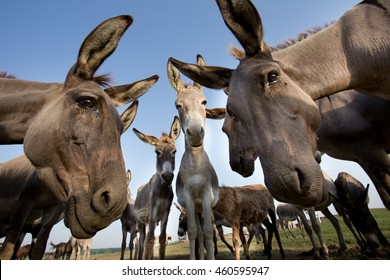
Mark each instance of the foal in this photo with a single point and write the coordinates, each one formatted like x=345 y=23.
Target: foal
x=154 y=199
x=197 y=184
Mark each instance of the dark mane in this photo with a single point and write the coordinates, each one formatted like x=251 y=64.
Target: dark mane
x=5 y=74
x=301 y=36
x=104 y=80
x=239 y=53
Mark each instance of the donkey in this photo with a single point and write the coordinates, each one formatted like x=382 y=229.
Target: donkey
x=197 y=184
x=61 y=125
x=288 y=212
x=248 y=205
x=154 y=199
x=354 y=197
x=128 y=221
x=23 y=252
x=59 y=250
x=26 y=196
x=80 y=248
x=279 y=89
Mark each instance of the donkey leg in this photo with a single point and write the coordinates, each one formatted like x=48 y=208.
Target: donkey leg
x=316 y=248
x=336 y=226
x=141 y=241
x=208 y=228
x=274 y=227
x=244 y=243
x=317 y=230
x=236 y=244
x=149 y=241
x=123 y=245
x=221 y=235
x=163 y=237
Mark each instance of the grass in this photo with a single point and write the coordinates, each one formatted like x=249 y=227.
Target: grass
x=295 y=248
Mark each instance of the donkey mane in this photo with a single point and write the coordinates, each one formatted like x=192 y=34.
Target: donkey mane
x=166 y=138
x=103 y=80
x=239 y=53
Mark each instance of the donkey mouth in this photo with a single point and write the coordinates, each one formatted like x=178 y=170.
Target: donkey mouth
x=244 y=166
x=72 y=221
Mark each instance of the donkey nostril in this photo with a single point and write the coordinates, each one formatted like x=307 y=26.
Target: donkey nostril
x=106 y=197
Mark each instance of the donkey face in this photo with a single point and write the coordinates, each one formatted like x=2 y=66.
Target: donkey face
x=190 y=104
x=165 y=151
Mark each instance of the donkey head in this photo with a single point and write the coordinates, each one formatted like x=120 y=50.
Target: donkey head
x=266 y=112
x=75 y=140
x=165 y=150
x=190 y=103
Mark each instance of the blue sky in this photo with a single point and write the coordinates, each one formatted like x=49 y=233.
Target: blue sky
x=40 y=41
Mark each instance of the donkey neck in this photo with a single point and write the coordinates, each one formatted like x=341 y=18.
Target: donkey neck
x=196 y=155
x=20 y=102
x=343 y=56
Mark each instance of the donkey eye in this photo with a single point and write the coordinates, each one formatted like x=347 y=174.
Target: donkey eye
x=230 y=113
x=204 y=102
x=272 y=77
x=87 y=102
x=158 y=153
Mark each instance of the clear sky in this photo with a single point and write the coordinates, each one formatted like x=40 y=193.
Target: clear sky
x=40 y=42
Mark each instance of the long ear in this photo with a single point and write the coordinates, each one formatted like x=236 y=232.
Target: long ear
x=208 y=76
x=200 y=61
x=363 y=199
x=121 y=95
x=148 y=139
x=128 y=176
x=175 y=129
x=215 y=113
x=128 y=115
x=99 y=45
x=242 y=18
x=174 y=77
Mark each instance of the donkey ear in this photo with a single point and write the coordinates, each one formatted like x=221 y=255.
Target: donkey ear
x=363 y=199
x=242 y=18
x=121 y=95
x=148 y=139
x=128 y=176
x=99 y=45
x=174 y=77
x=128 y=115
x=200 y=61
x=209 y=76
x=215 y=113
x=175 y=128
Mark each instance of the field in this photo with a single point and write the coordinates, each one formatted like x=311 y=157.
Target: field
x=295 y=248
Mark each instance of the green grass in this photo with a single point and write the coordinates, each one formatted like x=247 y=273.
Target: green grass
x=294 y=247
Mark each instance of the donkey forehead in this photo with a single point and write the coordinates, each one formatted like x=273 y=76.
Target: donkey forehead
x=249 y=80
x=165 y=145
x=190 y=96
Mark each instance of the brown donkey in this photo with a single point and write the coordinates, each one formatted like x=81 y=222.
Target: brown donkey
x=71 y=132
x=153 y=202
